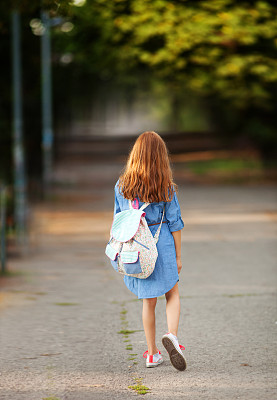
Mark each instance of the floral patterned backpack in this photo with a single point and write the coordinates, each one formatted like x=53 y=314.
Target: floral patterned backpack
x=132 y=248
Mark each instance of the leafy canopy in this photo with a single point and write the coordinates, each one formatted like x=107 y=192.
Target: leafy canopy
x=222 y=47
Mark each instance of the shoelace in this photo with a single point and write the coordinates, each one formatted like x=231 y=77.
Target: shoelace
x=146 y=352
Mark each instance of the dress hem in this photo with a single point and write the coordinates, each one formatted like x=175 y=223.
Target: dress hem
x=152 y=297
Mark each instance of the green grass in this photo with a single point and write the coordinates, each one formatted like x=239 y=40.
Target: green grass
x=50 y=398
x=66 y=304
x=126 y=331
x=224 y=165
x=140 y=389
x=240 y=294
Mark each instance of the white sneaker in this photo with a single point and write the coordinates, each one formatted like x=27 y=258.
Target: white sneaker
x=153 y=360
x=174 y=350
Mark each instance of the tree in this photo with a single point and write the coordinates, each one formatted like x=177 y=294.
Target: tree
x=221 y=50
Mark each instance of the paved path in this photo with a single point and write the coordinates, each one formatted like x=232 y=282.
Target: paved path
x=60 y=317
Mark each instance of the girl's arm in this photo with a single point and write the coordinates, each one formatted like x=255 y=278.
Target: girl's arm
x=177 y=242
x=175 y=224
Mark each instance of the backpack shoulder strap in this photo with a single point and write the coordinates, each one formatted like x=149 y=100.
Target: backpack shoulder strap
x=141 y=208
x=157 y=234
x=144 y=206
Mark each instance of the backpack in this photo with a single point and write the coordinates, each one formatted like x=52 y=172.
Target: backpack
x=132 y=248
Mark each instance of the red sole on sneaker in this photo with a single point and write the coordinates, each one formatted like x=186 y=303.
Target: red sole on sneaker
x=177 y=360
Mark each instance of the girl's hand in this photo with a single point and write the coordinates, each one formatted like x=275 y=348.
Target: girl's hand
x=179 y=264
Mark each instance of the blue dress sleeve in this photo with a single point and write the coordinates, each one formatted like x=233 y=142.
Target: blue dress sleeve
x=116 y=202
x=173 y=214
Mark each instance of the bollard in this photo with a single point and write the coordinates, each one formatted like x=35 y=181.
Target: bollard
x=3 y=228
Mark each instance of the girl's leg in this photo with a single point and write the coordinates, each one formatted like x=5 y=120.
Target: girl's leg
x=149 y=324
x=173 y=309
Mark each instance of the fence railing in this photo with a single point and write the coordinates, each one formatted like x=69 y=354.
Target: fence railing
x=3 y=203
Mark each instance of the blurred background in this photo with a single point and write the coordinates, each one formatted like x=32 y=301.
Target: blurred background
x=81 y=79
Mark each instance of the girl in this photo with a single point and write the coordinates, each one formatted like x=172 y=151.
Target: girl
x=148 y=178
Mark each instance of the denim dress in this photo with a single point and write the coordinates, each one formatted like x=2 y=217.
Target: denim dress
x=165 y=274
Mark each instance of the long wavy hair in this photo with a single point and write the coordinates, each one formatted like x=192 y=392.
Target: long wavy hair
x=148 y=174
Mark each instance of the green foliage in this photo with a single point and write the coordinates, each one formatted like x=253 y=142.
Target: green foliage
x=28 y=6
x=221 y=47
x=220 y=51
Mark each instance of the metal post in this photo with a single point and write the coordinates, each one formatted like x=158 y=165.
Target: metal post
x=18 y=151
x=47 y=123
x=3 y=228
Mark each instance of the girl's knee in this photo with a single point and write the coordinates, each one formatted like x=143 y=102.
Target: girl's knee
x=172 y=292
x=150 y=302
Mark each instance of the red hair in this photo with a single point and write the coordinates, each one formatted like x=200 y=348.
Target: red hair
x=148 y=173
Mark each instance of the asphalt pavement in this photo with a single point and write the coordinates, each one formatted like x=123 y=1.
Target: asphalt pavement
x=71 y=330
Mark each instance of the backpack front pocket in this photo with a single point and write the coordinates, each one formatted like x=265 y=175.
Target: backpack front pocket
x=113 y=256
x=130 y=261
